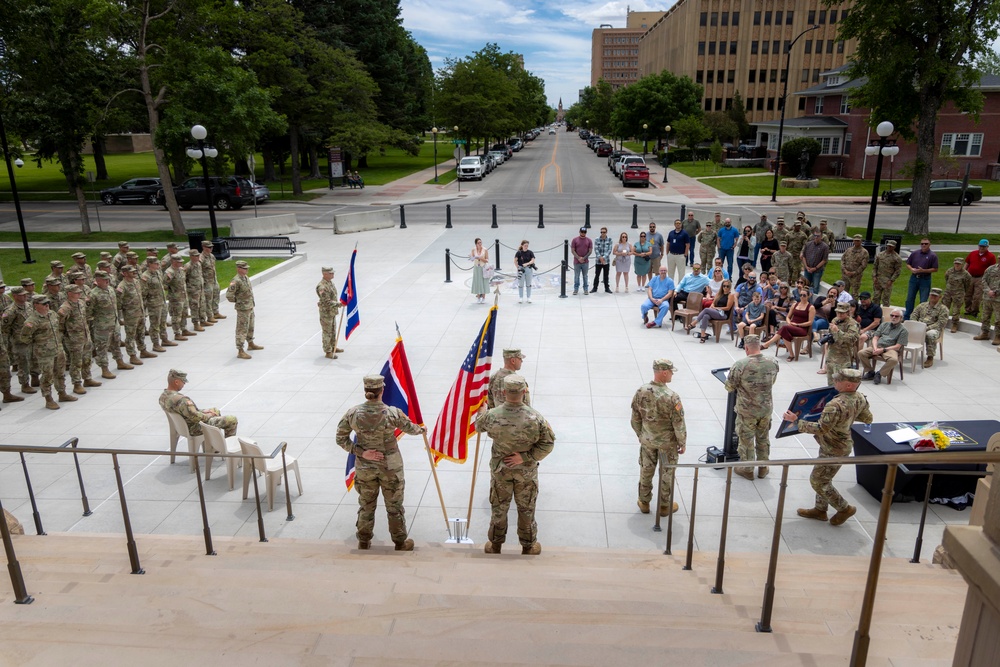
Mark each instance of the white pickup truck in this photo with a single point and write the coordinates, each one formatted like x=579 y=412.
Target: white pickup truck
x=470 y=168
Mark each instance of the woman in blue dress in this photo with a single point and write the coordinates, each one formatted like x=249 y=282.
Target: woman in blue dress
x=641 y=251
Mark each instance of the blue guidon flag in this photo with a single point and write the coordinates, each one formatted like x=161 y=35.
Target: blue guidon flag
x=349 y=298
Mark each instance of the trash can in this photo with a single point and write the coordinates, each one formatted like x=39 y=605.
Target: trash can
x=898 y=238
x=195 y=239
x=220 y=249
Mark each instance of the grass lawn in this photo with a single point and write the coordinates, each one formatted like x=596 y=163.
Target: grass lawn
x=11 y=263
x=706 y=168
x=833 y=187
x=943 y=238
x=444 y=176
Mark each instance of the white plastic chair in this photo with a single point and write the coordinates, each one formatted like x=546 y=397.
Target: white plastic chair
x=216 y=442
x=915 y=346
x=179 y=429
x=271 y=468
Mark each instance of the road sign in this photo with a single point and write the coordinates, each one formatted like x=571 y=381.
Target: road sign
x=458 y=142
x=458 y=154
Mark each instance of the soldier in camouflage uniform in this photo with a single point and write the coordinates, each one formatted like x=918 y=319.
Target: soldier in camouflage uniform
x=165 y=263
x=11 y=323
x=329 y=305
x=80 y=264
x=105 y=265
x=707 y=240
x=54 y=290
x=171 y=400
x=378 y=463
x=957 y=282
x=5 y=345
x=102 y=314
x=841 y=351
x=5 y=299
x=828 y=236
x=154 y=299
x=195 y=281
x=76 y=339
x=521 y=438
x=934 y=314
x=175 y=282
x=58 y=272
x=886 y=269
x=853 y=263
x=41 y=334
x=990 y=304
x=796 y=239
x=658 y=421
x=241 y=293
x=121 y=259
x=211 y=283
x=833 y=433
x=780 y=232
x=752 y=378
x=132 y=314
x=781 y=262
x=512 y=360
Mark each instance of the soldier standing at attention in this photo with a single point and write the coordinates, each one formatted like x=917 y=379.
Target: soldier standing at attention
x=957 y=282
x=80 y=264
x=752 y=378
x=707 y=240
x=658 y=421
x=76 y=338
x=41 y=334
x=797 y=239
x=13 y=320
x=171 y=400
x=240 y=293
x=5 y=357
x=175 y=282
x=121 y=259
x=781 y=232
x=194 y=281
x=211 y=283
x=934 y=314
x=379 y=465
x=853 y=263
x=828 y=236
x=991 y=304
x=833 y=433
x=102 y=314
x=329 y=305
x=131 y=313
x=154 y=299
x=512 y=360
x=521 y=438
x=886 y=269
x=53 y=290
x=781 y=262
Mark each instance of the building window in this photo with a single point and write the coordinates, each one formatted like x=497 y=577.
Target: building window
x=833 y=16
x=714 y=21
x=802 y=104
x=731 y=76
x=777 y=17
x=840 y=46
x=788 y=46
x=815 y=76
x=805 y=75
x=829 y=145
x=963 y=143
x=708 y=104
x=809 y=46
x=845 y=105
x=756 y=18
x=753 y=76
x=767 y=18
x=718 y=76
x=819 y=46
x=760 y=104
x=788 y=17
x=773 y=77
x=762 y=76
x=765 y=47
x=718 y=104
x=847 y=144
x=822 y=17
x=732 y=48
x=736 y=18
x=703 y=20
x=812 y=17
x=753 y=47
x=775 y=45
x=725 y=18
x=749 y=104
x=784 y=75
x=711 y=48
x=770 y=104
x=722 y=48
x=699 y=77
x=711 y=76
x=729 y=103
x=819 y=106
x=701 y=48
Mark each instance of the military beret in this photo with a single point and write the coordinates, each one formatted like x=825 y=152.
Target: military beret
x=79 y=255
x=130 y=254
x=843 y=308
x=514 y=382
x=123 y=244
x=56 y=264
x=174 y=257
x=374 y=382
x=891 y=243
x=751 y=339
x=52 y=281
x=242 y=265
x=865 y=295
x=207 y=244
x=194 y=253
x=512 y=352
x=18 y=290
x=959 y=260
x=40 y=298
x=848 y=374
x=74 y=289
x=101 y=274
x=858 y=237
x=26 y=282
x=936 y=291
x=174 y=374
x=663 y=365
x=327 y=269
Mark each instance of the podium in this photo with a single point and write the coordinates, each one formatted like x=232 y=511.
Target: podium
x=730 y=440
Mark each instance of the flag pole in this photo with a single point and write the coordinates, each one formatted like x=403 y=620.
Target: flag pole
x=340 y=325
x=475 y=459
x=444 y=510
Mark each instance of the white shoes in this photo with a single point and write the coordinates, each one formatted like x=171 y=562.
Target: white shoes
x=520 y=300
x=529 y=301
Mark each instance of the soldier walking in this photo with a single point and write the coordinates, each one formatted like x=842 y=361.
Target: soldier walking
x=131 y=313
x=379 y=465
x=752 y=378
x=845 y=334
x=957 y=282
x=934 y=314
x=194 y=281
x=241 y=293
x=329 y=306
x=76 y=339
x=512 y=360
x=211 y=279
x=991 y=304
x=853 y=263
x=521 y=438
x=658 y=421
x=41 y=334
x=833 y=433
x=102 y=314
x=886 y=269
x=13 y=320
x=175 y=282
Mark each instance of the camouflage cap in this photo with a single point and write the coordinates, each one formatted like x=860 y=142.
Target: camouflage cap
x=40 y=299
x=207 y=244
x=18 y=290
x=708 y=224
x=171 y=245
x=751 y=339
x=891 y=243
x=848 y=375
x=512 y=352
x=52 y=281
x=105 y=267
x=56 y=264
x=106 y=255
x=373 y=382
x=782 y=242
x=27 y=282
x=74 y=289
x=822 y=221
x=327 y=269
x=152 y=260
x=78 y=255
x=123 y=244
x=663 y=365
x=936 y=291
x=843 y=308
x=514 y=382
x=175 y=374
x=781 y=220
x=3 y=285
x=858 y=237
x=128 y=268
x=77 y=275
x=194 y=253
x=959 y=260
x=131 y=254
x=101 y=274
x=174 y=257
x=798 y=221
x=242 y=265
x=150 y=249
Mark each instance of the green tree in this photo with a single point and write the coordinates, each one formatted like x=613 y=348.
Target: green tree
x=791 y=151
x=738 y=114
x=656 y=100
x=914 y=56
x=721 y=126
x=988 y=62
x=690 y=132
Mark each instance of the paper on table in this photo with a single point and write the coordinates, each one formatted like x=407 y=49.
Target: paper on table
x=903 y=435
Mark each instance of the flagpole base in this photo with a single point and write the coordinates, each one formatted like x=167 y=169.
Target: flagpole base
x=458 y=532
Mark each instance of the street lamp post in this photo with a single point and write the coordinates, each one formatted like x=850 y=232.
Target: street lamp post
x=782 y=100
x=13 y=191
x=884 y=146
x=434 y=131
x=202 y=152
x=644 y=128
x=666 y=153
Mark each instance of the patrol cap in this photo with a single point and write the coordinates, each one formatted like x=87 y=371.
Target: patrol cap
x=822 y=221
x=373 y=382
x=708 y=224
x=74 y=289
x=663 y=365
x=514 y=382
x=984 y=242
x=18 y=290
x=174 y=257
x=101 y=274
x=936 y=291
x=751 y=339
x=152 y=260
x=242 y=265
x=782 y=241
x=26 y=282
x=959 y=260
x=103 y=265
x=843 y=308
x=327 y=269
x=52 y=281
x=848 y=375
x=151 y=249
x=856 y=237
x=40 y=298
x=77 y=275
x=781 y=219
x=512 y=353
x=106 y=255
x=78 y=255
x=207 y=244
x=123 y=244
x=130 y=254
x=194 y=253
x=129 y=268
x=171 y=245
x=175 y=374
x=56 y=264
x=3 y=285
x=798 y=220
x=865 y=295
x=891 y=243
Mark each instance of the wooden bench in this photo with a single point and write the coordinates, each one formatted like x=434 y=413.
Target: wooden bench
x=260 y=243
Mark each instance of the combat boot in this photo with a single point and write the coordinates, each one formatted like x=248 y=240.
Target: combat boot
x=11 y=398
x=50 y=404
x=158 y=348
x=981 y=336
x=996 y=338
x=492 y=548
x=254 y=346
x=187 y=333
x=66 y=398
x=745 y=473
x=198 y=327
x=91 y=383
x=240 y=354
x=166 y=343
x=330 y=355
x=339 y=349
x=843 y=515
x=643 y=507
x=762 y=472
x=34 y=380
x=954 y=327
x=178 y=337
x=134 y=360
x=812 y=513
x=218 y=316
x=122 y=366
x=106 y=374
x=208 y=323
x=928 y=362
x=28 y=389
x=146 y=355
x=533 y=550
x=667 y=511
x=405 y=545
x=364 y=544
x=78 y=389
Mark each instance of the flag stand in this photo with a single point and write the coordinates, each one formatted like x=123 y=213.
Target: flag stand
x=444 y=511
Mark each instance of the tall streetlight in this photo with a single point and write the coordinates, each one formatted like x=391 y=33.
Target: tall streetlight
x=666 y=153
x=884 y=146
x=202 y=152
x=781 y=101
x=644 y=128
x=434 y=131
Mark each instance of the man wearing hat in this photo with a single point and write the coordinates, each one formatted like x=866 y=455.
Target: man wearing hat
x=211 y=279
x=171 y=400
x=797 y=239
x=121 y=259
x=175 y=283
x=329 y=306
x=80 y=264
x=781 y=262
x=934 y=314
x=102 y=313
x=844 y=334
x=151 y=287
x=240 y=292
x=5 y=298
x=195 y=281
x=165 y=264
x=76 y=339
x=521 y=438
x=378 y=463
x=29 y=285
x=53 y=290
x=658 y=421
x=976 y=263
x=813 y=257
x=707 y=242
x=512 y=360
x=581 y=247
x=885 y=271
x=11 y=323
x=41 y=334
x=888 y=342
x=6 y=351
x=828 y=236
x=58 y=272
x=991 y=304
x=853 y=263
x=780 y=232
x=833 y=433
x=752 y=378
x=957 y=283
x=132 y=314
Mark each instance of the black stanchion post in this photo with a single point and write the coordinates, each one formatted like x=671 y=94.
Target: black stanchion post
x=635 y=216
x=447 y=265
x=565 y=251
x=402 y=217
x=447 y=216
x=496 y=252
x=562 y=280
x=541 y=217
x=586 y=219
x=683 y=211
x=494 y=225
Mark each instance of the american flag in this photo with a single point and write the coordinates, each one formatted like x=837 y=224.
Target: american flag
x=455 y=425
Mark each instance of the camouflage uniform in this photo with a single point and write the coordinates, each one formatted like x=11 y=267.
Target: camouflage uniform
x=374 y=424
x=515 y=429
x=329 y=305
x=154 y=299
x=796 y=240
x=991 y=304
x=178 y=403
x=240 y=293
x=195 y=281
x=781 y=232
x=102 y=313
x=841 y=352
x=211 y=280
x=131 y=311
x=76 y=339
x=781 y=264
x=13 y=320
x=119 y=260
x=853 y=263
x=752 y=378
x=41 y=334
x=707 y=240
x=85 y=269
x=174 y=281
x=828 y=236
x=936 y=318
x=886 y=269
x=495 y=396
x=958 y=281
x=833 y=433
x=658 y=421
x=5 y=372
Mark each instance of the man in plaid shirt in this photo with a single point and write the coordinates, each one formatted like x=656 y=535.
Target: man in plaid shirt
x=602 y=253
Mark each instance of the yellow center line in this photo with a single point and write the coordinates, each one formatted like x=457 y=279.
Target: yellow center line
x=551 y=163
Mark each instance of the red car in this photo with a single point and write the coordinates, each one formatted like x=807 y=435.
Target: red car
x=604 y=150
x=635 y=173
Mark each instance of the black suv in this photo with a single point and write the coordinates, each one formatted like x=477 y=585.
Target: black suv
x=228 y=192
x=133 y=190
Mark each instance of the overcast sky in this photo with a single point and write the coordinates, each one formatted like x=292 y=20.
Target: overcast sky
x=553 y=36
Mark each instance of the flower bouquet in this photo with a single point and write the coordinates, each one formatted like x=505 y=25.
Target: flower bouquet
x=931 y=439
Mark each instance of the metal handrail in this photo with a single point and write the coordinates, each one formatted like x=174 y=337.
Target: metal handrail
x=21 y=595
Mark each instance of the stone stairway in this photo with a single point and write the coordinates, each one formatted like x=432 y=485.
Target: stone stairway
x=306 y=602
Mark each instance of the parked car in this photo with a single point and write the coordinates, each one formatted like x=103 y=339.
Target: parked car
x=261 y=193
x=515 y=144
x=504 y=148
x=942 y=192
x=228 y=192
x=614 y=157
x=499 y=156
x=490 y=163
x=604 y=149
x=631 y=158
x=635 y=173
x=470 y=168
x=133 y=190
x=552 y=130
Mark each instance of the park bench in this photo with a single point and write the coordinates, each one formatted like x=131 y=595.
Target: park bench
x=260 y=243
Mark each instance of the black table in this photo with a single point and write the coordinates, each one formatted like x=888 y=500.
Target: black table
x=912 y=487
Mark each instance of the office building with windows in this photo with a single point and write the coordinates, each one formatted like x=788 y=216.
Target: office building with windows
x=614 y=52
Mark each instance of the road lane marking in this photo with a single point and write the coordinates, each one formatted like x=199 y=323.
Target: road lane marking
x=551 y=163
